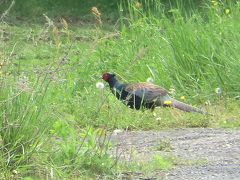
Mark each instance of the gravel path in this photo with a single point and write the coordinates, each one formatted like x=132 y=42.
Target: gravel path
x=217 y=149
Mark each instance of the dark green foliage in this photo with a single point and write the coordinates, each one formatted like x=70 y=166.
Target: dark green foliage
x=74 y=8
x=82 y=8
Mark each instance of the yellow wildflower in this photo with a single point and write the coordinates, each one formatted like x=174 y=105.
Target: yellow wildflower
x=104 y=107
x=182 y=97
x=214 y=3
x=167 y=102
x=227 y=11
x=138 y=4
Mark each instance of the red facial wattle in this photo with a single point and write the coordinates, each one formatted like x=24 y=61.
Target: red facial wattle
x=105 y=76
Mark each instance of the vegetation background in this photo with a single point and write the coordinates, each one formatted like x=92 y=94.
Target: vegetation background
x=54 y=119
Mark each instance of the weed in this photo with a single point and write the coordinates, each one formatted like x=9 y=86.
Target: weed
x=145 y=167
x=163 y=145
x=81 y=153
x=22 y=126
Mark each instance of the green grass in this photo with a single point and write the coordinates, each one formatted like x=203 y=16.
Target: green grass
x=49 y=75
x=146 y=167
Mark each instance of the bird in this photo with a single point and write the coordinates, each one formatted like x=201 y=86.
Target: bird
x=144 y=95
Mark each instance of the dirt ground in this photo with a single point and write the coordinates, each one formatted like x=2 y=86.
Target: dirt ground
x=214 y=154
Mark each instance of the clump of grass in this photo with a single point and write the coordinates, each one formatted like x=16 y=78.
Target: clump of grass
x=22 y=123
x=146 y=168
x=163 y=145
x=186 y=53
x=84 y=153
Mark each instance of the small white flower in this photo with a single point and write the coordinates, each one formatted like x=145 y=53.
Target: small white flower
x=149 y=80
x=207 y=103
x=154 y=114
x=99 y=85
x=158 y=119
x=172 y=91
x=162 y=59
x=15 y=172
x=218 y=90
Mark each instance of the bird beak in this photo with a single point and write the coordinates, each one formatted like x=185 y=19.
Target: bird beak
x=100 y=77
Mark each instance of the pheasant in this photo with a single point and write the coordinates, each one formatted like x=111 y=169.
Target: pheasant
x=144 y=95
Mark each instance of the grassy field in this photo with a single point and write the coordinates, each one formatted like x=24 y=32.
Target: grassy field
x=52 y=114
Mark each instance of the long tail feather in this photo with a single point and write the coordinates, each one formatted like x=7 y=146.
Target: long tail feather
x=179 y=105
x=185 y=107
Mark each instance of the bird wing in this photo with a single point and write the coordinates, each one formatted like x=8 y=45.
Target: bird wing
x=147 y=91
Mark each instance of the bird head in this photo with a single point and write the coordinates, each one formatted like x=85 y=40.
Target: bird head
x=106 y=76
